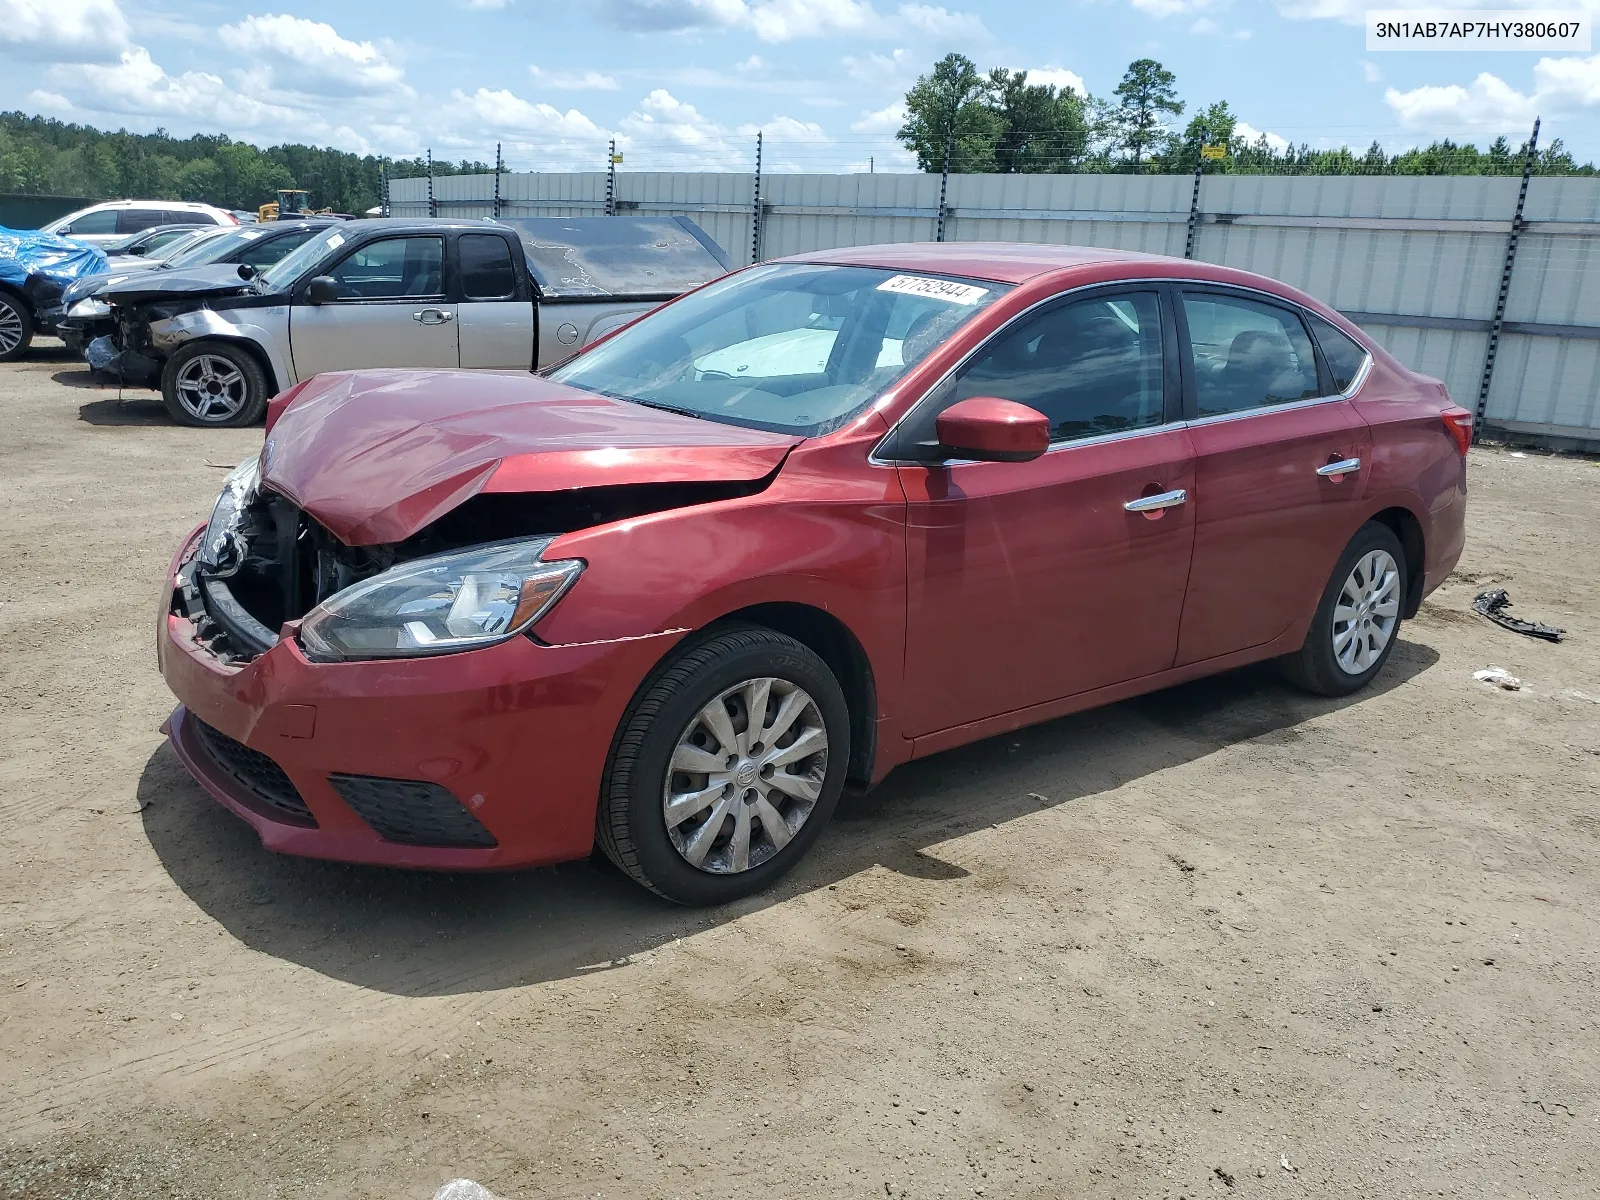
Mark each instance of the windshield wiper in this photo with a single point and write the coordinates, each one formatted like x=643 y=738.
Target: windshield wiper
x=671 y=408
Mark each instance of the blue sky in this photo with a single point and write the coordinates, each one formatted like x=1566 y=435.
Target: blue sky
x=684 y=84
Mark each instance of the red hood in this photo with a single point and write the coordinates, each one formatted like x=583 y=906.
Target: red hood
x=377 y=455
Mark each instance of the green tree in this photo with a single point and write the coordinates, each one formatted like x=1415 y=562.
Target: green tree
x=1147 y=96
x=949 y=105
x=1040 y=128
x=1210 y=126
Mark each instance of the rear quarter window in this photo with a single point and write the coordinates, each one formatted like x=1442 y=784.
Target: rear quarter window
x=1344 y=355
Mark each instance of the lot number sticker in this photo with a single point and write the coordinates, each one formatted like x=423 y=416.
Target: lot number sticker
x=934 y=289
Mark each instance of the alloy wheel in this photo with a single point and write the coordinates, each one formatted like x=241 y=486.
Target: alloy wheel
x=10 y=328
x=1366 y=612
x=745 y=776
x=211 y=389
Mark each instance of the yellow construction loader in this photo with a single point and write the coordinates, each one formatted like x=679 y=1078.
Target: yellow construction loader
x=291 y=202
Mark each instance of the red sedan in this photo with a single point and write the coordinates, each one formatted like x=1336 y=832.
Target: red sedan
x=815 y=519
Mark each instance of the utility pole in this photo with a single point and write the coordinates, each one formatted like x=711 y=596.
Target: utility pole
x=872 y=165
x=611 y=179
x=755 y=208
x=497 y=168
x=944 y=179
x=383 y=188
x=1505 y=284
x=433 y=205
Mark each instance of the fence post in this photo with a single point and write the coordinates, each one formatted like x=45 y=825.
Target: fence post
x=1194 y=200
x=383 y=189
x=433 y=205
x=944 y=181
x=755 y=208
x=497 y=168
x=611 y=179
x=1505 y=286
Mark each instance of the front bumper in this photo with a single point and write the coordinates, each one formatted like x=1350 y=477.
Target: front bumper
x=516 y=735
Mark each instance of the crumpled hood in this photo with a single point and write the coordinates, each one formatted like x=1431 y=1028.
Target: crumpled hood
x=219 y=280
x=376 y=456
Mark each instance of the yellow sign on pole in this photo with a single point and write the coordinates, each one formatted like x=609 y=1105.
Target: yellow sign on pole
x=616 y=158
x=1214 y=152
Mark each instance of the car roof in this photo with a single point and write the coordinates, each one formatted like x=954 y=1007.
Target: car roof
x=1003 y=262
x=175 y=205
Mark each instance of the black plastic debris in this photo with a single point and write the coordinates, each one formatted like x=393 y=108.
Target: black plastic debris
x=1493 y=603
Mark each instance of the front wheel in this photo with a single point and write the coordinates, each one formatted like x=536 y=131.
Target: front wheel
x=16 y=328
x=1358 y=617
x=727 y=765
x=214 y=385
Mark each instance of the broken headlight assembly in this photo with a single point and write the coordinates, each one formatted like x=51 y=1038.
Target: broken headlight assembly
x=84 y=309
x=457 y=601
x=218 y=549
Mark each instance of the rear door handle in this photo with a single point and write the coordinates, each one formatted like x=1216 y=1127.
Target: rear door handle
x=1345 y=466
x=1163 y=500
x=433 y=316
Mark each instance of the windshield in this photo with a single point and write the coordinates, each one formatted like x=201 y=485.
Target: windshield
x=209 y=247
x=792 y=347
x=292 y=265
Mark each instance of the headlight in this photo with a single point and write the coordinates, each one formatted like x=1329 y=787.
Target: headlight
x=89 y=308
x=237 y=491
x=458 y=601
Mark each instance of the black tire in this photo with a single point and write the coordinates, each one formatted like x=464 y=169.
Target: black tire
x=15 y=316
x=631 y=827
x=255 y=391
x=1314 y=666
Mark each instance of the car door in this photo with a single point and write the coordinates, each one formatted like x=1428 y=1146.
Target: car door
x=1279 y=470
x=391 y=310
x=496 y=311
x=1030 y=582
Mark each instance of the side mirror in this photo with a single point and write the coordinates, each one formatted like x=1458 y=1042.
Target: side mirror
x=246 y=271
x=139 y=250
x=988 y=429
x=322 y=290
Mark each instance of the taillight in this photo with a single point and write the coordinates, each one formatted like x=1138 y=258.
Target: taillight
x=1458 y=424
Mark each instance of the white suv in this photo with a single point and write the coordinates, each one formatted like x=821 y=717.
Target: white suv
x=102 y=223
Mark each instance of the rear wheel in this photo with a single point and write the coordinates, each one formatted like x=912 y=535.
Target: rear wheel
x=16 y=328
x=728 y=764
x=1358 y=617
x=215 y=385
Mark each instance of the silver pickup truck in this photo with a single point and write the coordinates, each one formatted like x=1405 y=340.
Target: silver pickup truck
x=507 y=294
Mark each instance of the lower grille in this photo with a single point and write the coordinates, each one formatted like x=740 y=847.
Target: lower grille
x=257 y=774
x=411 y=811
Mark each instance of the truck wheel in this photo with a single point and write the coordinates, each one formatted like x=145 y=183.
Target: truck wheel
x=16 y=328
x=214 y=385
x=728 y=764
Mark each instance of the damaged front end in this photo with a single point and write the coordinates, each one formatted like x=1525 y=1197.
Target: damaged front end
x=265 y=569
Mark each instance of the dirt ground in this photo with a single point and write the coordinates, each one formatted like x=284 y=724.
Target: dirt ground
x=1224 y=940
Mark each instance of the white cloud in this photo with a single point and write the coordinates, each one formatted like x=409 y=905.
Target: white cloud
x=896 y=70
x=1059 y=78
x=63 y=30
x=136 y=85
x=310 y=56
x=787 y=20
x=754 y=63
x=574 y=81
x=488 y=5
x=1489 y=105
x=503 y=110
x=1370 y=71
x=1171 y=8
x=49 y=101
x=1247 y=131
x=1353 y=12
x=885 y=122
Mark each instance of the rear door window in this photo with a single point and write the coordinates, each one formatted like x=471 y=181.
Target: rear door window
x=1247 y=354
x=486 y=269
x=133 y=220
x=1344 y=355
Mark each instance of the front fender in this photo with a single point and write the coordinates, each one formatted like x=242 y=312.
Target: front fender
x=266 y=328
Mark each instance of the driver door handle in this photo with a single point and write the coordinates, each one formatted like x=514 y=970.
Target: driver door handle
x=1162 y=500
x=1345 y=466
x=433 y=316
